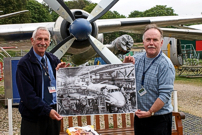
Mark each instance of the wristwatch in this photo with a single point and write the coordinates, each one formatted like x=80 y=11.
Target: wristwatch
x=152 y=113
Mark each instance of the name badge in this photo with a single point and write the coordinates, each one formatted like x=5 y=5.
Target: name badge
x=142 y=91
x=51 y=89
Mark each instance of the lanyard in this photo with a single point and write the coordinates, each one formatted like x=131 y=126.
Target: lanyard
x=143 y=76
x=45 y=68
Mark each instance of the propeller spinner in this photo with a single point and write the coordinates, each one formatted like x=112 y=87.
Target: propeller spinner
x=80 y=29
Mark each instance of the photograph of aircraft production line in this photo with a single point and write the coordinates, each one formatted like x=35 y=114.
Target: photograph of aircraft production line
x=97 y=89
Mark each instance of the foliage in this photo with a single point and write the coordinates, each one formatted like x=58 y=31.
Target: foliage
x=39 y=12
x=1 y=90
x=77 y=4
x=54 y=15
x=192 y=62
x=200 y=61
x=158 y=10
x=112 y=14
x=89 y=7
x=135 y=14
x=12 y=53
x=10 y=6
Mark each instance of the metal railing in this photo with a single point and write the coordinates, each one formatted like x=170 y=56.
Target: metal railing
x=190 y=56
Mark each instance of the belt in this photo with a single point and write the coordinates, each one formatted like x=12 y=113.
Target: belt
x=53 y=106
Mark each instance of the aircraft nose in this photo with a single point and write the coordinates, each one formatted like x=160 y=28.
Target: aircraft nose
x=80 y=29
x=119 y=97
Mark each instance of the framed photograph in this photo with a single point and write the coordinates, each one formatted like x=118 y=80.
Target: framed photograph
x=97 y=89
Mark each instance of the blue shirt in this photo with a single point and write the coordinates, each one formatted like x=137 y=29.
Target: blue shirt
x=50 y=71
x=158 y=82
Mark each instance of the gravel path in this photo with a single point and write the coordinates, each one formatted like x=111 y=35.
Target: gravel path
x=189 y=98
x=189 y=101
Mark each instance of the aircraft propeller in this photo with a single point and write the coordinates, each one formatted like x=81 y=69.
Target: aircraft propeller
x=81 y=29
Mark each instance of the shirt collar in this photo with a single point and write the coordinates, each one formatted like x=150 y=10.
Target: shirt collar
x=147 y=58
x=38 y=56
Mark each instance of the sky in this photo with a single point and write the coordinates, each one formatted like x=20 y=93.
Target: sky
x=181 y=7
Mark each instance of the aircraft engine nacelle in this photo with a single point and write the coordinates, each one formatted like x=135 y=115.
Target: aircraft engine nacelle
x=61 y=31
x=172 y=48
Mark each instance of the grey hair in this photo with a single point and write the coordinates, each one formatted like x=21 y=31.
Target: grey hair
x=40 y=28
x=152 y=26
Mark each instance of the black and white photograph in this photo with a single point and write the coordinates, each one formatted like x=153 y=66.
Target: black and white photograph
x=97 y=89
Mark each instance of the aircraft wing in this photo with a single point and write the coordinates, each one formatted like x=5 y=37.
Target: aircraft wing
x=196 y=27
x=186 y=34
x=21 y=31
x=137 y=25
x=12 y=14
x=131 y=25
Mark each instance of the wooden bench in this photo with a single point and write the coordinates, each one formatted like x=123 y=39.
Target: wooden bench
x=116 y=129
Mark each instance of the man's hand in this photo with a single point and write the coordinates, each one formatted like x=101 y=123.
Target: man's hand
x=62 y=65
x=129 y=59
x=142 y=114
x=54 y=115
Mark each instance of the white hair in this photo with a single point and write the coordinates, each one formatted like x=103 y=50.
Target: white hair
x=40 y=28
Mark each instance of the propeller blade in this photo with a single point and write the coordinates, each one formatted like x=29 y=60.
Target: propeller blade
x=61 y=9
x=102 y=7
x=103 y=51
x=63 y=46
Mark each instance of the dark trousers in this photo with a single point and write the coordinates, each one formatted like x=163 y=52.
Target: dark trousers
x=155 y=125
x=44 y=126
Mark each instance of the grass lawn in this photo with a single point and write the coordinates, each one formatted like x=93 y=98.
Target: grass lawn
x=1 y=90
x=193 y=81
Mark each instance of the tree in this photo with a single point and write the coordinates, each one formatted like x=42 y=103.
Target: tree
x=112 y=14
x=77 y=4
x=39 y=12
x=135 y=14
x=89 y=7
x=10 y=6
x=117 y=15
x=158 y=10
x=54 y=15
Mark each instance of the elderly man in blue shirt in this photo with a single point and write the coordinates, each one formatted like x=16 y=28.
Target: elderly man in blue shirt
x=155 y=75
